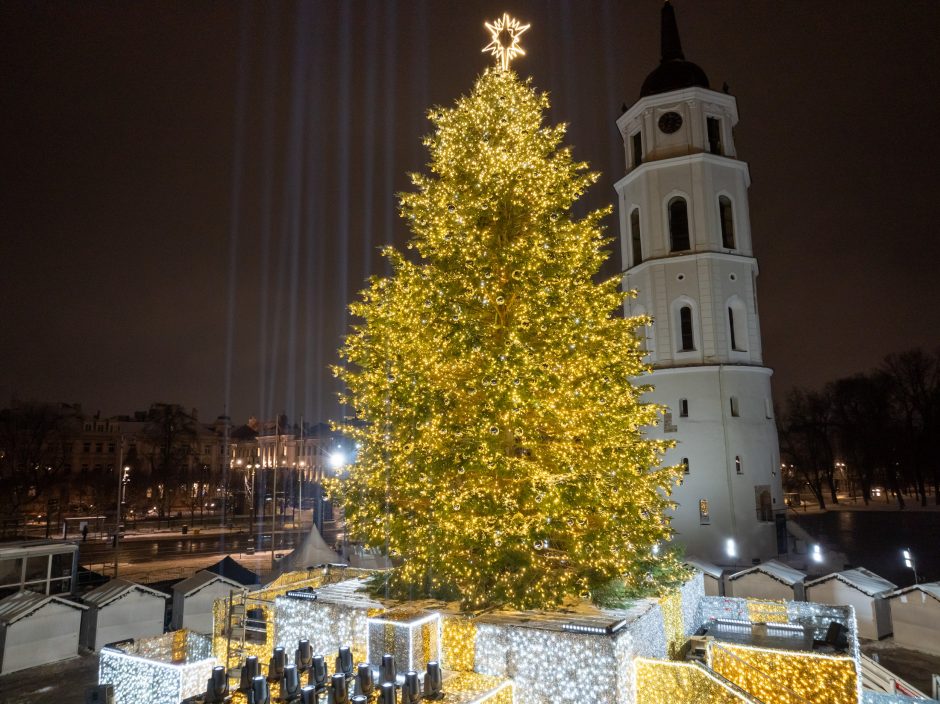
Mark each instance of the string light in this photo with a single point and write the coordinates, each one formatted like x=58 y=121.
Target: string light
x=413 y=637
x=665 y=682
x=262 y=603
x=458 y=641
x=786 y=677
x=501 y=657
x=327 y=626
x=674 y=632
x=159 y=670
x=502 y=449
x=767 y=611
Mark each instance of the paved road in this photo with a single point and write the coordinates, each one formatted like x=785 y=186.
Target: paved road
x=141 y=549
x=63 y=682
x=874 y=539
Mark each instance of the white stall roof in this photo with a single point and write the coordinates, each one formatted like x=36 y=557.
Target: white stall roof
x=706 y=567
x=931 y=589
x=22 y=604
x=203 y=579
x=777 y=570
x=864 y=580
x=35 y=548
x=115 y=589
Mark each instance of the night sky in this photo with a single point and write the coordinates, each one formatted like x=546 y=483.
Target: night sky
x=192 y=191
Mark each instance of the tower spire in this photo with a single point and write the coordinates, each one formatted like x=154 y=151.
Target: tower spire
x=669 y=34
x=673 y=72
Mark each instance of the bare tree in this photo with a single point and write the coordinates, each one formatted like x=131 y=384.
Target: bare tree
x=914 y=378
x=170 y=432
x=35 y=446
x=806 y=440
x=865 y=428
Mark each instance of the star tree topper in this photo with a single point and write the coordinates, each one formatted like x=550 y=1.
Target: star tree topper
x=505 y=33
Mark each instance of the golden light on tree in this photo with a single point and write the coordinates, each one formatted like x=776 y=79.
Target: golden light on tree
x=502 y=457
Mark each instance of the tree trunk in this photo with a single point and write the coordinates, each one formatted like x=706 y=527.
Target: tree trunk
x=817 y=489
x=895 y=488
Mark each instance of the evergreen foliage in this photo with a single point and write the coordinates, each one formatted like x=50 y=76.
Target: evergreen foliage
x=501 y=448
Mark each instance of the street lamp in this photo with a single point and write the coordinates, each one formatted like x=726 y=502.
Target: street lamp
x=251 y=466
x=336 y=461
x=301 y=468
x=909 y=562
x=817 y=553
x=337 y=458
x=124 y=476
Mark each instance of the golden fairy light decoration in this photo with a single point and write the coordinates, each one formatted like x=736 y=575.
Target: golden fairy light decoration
x=501 y=452
x=504 y=35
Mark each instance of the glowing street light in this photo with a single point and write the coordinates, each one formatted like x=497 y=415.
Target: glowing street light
x=909 y=562
x=337 y=458
x=817 y=553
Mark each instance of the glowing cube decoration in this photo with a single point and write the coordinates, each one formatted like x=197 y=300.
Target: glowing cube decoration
x=412 y=636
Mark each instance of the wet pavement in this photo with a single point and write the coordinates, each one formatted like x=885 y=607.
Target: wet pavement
x=874 y=540
x=64 y=682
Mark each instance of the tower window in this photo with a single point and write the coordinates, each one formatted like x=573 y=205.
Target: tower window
x=714 y=135
x=765 y=509
x=738 y=467
x=703 y=517
x=637 y=144
x=678 y=225
x=683 y=408
x=685 y=329
x=735 y=411
x=635 y=237
x=685 y=465
x=668 y=425
x=737 y=328
x=726 y=213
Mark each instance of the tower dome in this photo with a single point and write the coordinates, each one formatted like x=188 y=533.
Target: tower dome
x=673 y=72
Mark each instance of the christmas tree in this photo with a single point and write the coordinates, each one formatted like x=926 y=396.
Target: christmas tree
x=501 y=449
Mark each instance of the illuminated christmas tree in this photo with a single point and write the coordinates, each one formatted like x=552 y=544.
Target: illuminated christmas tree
x=501 y=452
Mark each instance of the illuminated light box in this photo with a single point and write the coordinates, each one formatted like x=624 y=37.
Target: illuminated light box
x=337 y=617
x=413 y=636
x=471 y=688
x=160 y=670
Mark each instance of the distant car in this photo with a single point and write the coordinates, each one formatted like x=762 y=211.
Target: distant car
x=877 y=493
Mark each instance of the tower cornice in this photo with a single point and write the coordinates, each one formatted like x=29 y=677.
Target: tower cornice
x=688 y=256
x=703 y=95
x=686 y=159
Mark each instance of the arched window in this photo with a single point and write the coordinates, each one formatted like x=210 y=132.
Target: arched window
x=734 y=339
x=686 y=336
x=635 y=237
x=678 y=225
x=738 y=467
x=726 y=214
x=737 y=325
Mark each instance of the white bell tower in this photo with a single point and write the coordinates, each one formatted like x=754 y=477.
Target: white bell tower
x=685 y=238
